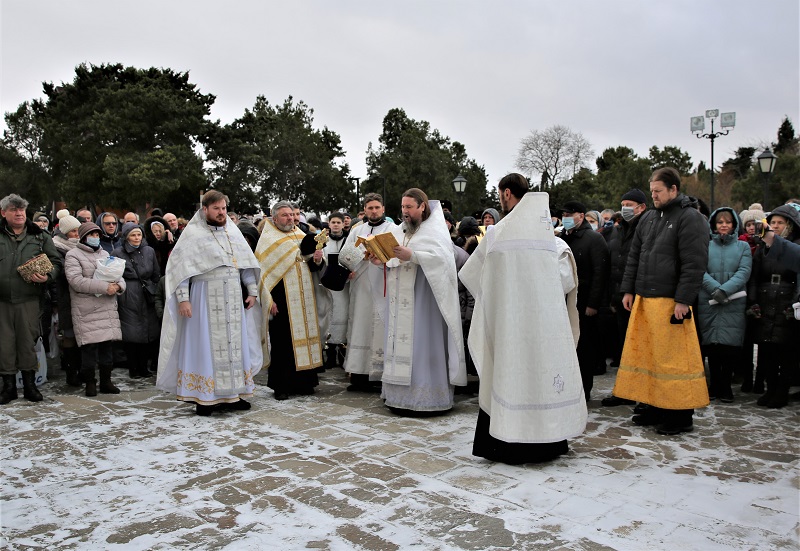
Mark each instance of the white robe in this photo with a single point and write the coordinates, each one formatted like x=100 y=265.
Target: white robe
x=195 y=362
x=524 y=333
x=424 y=350
x=366 y=312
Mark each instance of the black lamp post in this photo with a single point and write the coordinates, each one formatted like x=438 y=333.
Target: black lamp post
x=460 y=185
x=727 y=120
x=766 y=164
x=358 y=195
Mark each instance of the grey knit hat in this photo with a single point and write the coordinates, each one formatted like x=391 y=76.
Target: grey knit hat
x=68 y=223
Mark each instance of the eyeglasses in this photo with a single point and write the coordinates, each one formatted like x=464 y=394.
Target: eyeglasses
x=109 y=223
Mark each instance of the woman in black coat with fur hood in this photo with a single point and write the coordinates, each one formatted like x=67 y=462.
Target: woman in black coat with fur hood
x=141 y=328
x=158 y=236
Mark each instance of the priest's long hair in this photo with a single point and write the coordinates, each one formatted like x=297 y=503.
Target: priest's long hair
x=420 y=197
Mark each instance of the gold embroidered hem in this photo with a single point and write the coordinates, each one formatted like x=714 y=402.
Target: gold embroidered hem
x=201 y=388
x=194 y=400
x=661 y=363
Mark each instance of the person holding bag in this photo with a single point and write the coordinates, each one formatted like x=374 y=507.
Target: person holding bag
x=94 y=309
x=141 y=327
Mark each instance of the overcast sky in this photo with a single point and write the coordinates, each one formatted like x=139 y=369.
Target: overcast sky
x=484 y=73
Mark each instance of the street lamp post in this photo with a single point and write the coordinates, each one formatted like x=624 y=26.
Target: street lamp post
x=358 y=195
x=766 y=164
x=460 y=185
x=698 y=124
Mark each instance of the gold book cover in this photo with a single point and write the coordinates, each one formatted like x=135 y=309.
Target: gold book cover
x=380 y=245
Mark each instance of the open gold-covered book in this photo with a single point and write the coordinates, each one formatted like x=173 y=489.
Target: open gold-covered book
x=380 y=245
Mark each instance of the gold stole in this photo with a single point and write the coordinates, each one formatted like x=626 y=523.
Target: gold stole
x=279 y=258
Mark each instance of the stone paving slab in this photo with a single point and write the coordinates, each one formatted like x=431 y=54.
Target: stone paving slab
x=337 y=470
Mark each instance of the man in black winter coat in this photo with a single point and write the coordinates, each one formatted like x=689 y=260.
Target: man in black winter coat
x=634 y=204
x=591 y=256
x=661 y=363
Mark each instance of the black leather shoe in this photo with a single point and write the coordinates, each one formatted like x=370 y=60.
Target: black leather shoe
x=673 y=430
x=612 y=401
x=645 y=420
x=241 y=405
x=281 y=396
x=640 y=408
x=203 y=411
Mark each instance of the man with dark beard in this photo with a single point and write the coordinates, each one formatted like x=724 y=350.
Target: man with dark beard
x=289 y=305
x=211 y=332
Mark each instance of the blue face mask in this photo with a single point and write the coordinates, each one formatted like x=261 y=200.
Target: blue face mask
x=93 y=242
x=568 y=222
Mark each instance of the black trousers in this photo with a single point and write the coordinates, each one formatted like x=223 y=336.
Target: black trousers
x=97 y=354
x=722 y=359
x=588 y=348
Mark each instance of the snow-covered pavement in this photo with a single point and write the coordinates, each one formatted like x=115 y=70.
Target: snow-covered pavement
x=338 y=471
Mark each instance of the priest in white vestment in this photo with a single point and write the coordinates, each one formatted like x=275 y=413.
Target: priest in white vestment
x=424 y=346
x=524 y=333
x=365 y=329
x=293 y=351
x=210 y=335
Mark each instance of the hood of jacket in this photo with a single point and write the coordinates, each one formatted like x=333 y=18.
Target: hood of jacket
x=737 y=226
x=493 y=212
x=103 y=233
x=790 y=212
x=148 y=229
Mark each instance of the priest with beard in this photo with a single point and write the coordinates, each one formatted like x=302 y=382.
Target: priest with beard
x=210 y=336
x=423 y=344
x=531 y=394
x=365 y=329
x=292 y=344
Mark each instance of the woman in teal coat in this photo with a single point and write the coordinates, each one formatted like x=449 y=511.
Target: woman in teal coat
x=722 y=325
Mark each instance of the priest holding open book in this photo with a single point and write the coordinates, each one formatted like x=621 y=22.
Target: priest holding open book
x=423 y=346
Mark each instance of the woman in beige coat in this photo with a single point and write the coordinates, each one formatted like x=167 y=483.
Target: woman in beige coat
x=95 y=318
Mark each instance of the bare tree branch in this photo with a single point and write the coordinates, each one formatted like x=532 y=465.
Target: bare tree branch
x=555 y=154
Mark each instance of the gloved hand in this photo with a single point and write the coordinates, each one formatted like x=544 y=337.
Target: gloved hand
x=720 y=296
x=754 y=310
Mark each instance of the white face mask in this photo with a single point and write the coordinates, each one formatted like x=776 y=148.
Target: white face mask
x=594 y=226
x=627 y=214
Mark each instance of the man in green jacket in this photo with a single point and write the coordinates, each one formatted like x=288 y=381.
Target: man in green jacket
x=21 y=240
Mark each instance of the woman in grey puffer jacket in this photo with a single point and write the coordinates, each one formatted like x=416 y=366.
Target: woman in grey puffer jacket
x=141 y=328
x=94 y=318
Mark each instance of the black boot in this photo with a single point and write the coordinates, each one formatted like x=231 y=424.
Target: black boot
x=648 y=417
x=71 y=360
x=724 y=390
x=9 y=389
x=87 y=374
x=780 y=394
x=747 y=376
x=758 y=386
x=771 y=377
x=676 y=422
x=106 y=386
x=29 y=389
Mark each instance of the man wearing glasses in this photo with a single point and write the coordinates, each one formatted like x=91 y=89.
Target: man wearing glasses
x=109 y=231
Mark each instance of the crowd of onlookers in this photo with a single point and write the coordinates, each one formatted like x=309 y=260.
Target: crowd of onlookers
x=113 y=319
